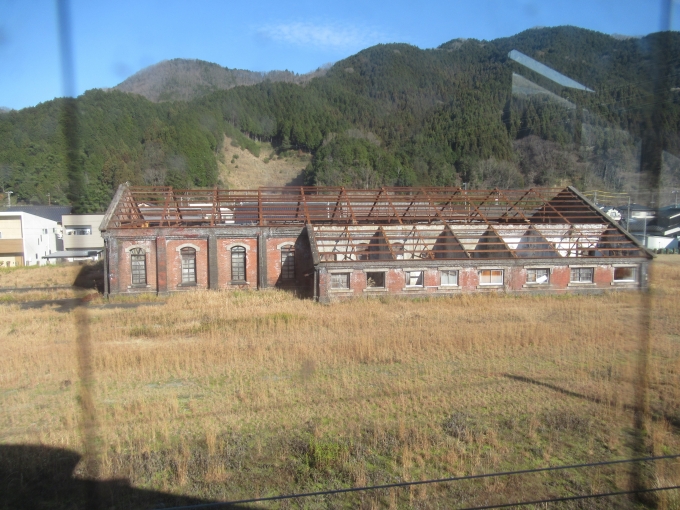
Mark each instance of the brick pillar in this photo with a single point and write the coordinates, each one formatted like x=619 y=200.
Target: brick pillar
x=106 y=267
x=161 y=265
x=213 y=266
x=261 y=261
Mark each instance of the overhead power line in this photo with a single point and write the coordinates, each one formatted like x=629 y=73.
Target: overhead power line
x=572 y=498
x=438 y=480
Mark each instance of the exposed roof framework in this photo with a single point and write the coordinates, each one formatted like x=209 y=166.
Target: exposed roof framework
x=393 y=223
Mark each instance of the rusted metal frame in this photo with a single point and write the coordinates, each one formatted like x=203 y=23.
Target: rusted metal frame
x=337 y=204
x=545 y=239
x=483 y=201
x=349 y=206
x=512 y=252
x=394 y=209
x=450 y=200
x=132 y=204
x=547 y=203
x=387 y=241
x=377 y=197
x=418 y=193
x=515 y=205
x=214 y=209
x=486 y=220
x=430 y=255
x=303 y=198
x=467 y=254
x=432 y=206
x=164 y=214
x=260 y=216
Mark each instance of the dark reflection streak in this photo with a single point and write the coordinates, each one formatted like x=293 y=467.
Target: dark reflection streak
x=69 y=125
x=642 y=475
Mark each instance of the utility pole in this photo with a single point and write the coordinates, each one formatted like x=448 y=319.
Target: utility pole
x=9 y=195
x=49 y=201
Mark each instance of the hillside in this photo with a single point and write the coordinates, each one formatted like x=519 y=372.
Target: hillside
x=183 y=80
x=240 y=169
x=392 y=114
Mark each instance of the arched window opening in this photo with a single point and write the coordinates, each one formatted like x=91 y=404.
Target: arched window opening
x=138 y=263
x=288 y=262
x=238 y=264
x=188 y=266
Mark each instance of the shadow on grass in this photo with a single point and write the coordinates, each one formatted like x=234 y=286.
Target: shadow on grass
x=672 y=420
x=91 y=276
x=36 y=476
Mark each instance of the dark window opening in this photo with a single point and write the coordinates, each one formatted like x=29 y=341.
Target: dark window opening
x=375 y=280
x=625 y=274
x=288 y=263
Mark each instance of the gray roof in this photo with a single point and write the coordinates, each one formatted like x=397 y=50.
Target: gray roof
x=67 y=254
x=50 y=212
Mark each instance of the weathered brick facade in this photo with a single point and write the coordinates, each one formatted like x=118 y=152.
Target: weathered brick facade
x=565 y=245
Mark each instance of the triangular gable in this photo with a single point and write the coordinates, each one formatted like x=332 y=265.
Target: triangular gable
x=447 y=246
x=534 y=245
x=566 y=207
x=614 y=243
x=490 y=246
x=378 y=249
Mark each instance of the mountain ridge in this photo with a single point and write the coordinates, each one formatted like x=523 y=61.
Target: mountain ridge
x=188 y=79
x=392 y=114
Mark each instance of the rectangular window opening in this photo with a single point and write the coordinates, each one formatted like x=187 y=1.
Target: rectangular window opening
x=491 y=277
x=581 y=275
x=340 y=281
x=538 y=276
x=414 y=278
x=625 y=274
x=375 y=280
x=188 y=266
x=288 y=263
x=450 y=277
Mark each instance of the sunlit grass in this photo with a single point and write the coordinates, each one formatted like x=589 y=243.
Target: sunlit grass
x=233 y=394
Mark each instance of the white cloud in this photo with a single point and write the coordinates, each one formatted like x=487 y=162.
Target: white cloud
x=335 y=36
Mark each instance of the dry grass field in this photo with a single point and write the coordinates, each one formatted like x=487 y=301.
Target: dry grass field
x=230 y=395
x=239 y=169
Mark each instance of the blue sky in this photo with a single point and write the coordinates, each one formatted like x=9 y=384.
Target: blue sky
x=114 y=39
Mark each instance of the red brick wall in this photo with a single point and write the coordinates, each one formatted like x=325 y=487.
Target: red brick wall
x=274 y=259
x=224 y=261
x=514 y=279
x=123 y=273
x=175 y=263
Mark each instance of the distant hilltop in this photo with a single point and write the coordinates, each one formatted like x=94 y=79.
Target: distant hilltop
x=184 y=79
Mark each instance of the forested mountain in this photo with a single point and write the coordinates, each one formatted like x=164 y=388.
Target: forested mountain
x=392 y=114
x=183 y=80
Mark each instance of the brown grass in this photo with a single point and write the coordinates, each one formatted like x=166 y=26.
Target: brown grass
x=237 y=394
x=239 y=169
x=39 y=276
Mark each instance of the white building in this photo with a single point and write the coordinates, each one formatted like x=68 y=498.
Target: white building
x=25 y=239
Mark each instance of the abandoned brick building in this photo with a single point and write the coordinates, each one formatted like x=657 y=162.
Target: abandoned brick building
x=332 y=243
